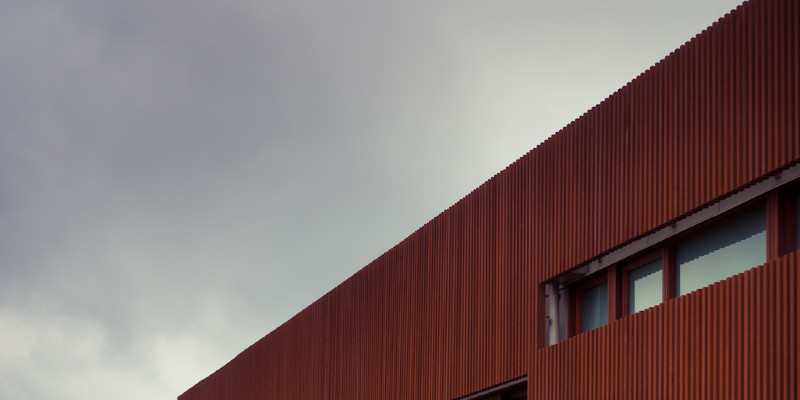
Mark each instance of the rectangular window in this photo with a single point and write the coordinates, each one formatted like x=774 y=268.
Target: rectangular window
x=797 y=222
x=593 y=307
x=726 y=250
x=645 y=286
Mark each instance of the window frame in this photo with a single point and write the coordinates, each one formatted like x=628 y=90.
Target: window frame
x=576 y=297
x=782 y=225
x=641 y=261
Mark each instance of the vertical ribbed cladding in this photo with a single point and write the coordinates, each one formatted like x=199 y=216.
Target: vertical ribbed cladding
x=734 y=339
x=455 y=308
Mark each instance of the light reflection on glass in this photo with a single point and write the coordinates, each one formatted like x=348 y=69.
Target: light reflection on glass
x=724 y=251
x=645 y=286
x=594 y=307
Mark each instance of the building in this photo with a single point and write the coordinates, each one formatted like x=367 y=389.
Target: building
x=647 y=250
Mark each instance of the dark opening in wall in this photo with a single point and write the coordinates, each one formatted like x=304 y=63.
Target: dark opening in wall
x=516 y=389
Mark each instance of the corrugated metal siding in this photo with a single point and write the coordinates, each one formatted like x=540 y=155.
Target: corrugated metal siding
x=455 y=307
x=736 y=339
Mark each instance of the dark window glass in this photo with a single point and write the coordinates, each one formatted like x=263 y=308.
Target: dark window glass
x=594 y=307
x=644 y=286
x=797 y=222
x=723 y=251
x=520 y=394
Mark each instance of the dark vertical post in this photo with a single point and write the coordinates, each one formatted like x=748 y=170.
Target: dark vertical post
x=773 y=225
x=670 y=283
x=614 y=291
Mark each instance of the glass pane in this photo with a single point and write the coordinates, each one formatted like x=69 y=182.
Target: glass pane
x=726 y=250
x=645 y=286
x=797 y=222
x=594 y=307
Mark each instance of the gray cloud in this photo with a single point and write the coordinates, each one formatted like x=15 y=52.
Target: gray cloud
x=178 y=178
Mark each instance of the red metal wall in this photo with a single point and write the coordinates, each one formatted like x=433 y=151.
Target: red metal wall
x=736 y=339
x=455 y=307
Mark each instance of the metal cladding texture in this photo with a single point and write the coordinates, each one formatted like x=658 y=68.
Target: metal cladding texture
x=736 y=339
x=457 y=306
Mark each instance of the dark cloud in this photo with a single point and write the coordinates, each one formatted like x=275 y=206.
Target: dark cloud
x=178 y=178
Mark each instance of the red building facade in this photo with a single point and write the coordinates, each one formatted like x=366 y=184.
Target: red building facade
x=495 y=297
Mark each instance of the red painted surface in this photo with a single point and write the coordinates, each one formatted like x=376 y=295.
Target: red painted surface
x=456 y=307
x=736 y=339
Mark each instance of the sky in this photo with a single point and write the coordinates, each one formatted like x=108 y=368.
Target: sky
x=178 y=178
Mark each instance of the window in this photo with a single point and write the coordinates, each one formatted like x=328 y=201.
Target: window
x=593 y=307
x=518 y=394
x=726 y=250
x=719 y=251
x=739 y=232
x=589 y=302
x=643 y=284
x=797 y=221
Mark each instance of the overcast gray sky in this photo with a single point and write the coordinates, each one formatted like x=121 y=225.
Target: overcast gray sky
x=178 y=178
